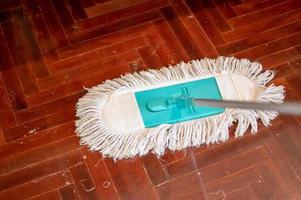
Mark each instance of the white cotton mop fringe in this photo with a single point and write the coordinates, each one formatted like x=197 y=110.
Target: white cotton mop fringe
x=99 y=127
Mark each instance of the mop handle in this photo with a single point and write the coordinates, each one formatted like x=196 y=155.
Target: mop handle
x=285 y=108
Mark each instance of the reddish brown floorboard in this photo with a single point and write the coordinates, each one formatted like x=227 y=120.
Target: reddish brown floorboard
x=51 y=49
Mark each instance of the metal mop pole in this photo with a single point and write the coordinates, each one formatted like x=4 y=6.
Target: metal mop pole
x=292 y=108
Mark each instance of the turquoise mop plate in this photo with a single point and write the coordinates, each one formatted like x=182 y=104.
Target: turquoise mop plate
x=170 y=104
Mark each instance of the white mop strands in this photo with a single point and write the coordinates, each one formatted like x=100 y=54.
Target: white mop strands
x=94 y=132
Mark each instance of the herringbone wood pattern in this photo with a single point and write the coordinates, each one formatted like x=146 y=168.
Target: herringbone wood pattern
x=51 y=49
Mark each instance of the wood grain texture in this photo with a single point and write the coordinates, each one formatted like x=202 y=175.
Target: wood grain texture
x=52 y=49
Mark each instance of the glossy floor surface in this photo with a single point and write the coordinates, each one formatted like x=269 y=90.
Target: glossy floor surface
x=51 y=49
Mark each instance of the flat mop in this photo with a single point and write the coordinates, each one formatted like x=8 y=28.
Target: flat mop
x=176 y=107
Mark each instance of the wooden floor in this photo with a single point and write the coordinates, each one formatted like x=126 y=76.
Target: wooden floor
x=51 y=49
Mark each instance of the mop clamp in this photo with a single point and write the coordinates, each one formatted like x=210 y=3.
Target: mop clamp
x=173 y=104
x=183 y=101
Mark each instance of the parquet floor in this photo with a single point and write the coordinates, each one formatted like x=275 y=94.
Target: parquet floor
x=51 y=49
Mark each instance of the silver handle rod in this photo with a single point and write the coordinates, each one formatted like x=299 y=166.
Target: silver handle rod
x=292 y=108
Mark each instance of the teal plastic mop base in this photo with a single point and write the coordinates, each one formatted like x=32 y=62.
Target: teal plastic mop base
x=170 y=104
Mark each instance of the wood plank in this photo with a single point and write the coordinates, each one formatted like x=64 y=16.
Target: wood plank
x=47 y=108
x=97 y=48
x=12 y=83
x=68 y=192
x=278 y=58
x=229 y=184
x=52 y=195
x=154 y=39
x=253 y=6
x=260 y=38
x=278 y=9
x=28 y=173
x=100 y=66
x=154 y=169
x=26 y=36
x=124 y=174
x=150 y=57
x=7 y=119
x=225 y=8
x=109 y=7
x=64 y=15
x=28 y=128
x=39 y=154
x=15 y=40
x=262 y=25
x=270 y=47
x=171 y=41
x=187 y=187
x=83 y=182
x=38 y=139
x=9 y=5
x=198 y=35
x=209 y=27
x=4 y=99
x=96 y=31
x=76 y=9
x=181 y=33
x=38 y=186
x=102 y=19
x=52 y=22
x=40 y=29
x=100 y=175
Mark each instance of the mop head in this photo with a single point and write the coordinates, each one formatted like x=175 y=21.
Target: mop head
x=110 y=121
